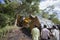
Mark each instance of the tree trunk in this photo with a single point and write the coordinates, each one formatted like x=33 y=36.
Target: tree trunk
x=15 y=22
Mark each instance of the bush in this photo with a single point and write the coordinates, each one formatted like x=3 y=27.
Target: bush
x=2 y=20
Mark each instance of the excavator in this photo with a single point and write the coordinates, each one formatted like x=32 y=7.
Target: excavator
x=28 y=22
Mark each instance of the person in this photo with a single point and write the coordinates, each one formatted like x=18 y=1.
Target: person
x=45 y=33
x=55 y=33
x=35 y=33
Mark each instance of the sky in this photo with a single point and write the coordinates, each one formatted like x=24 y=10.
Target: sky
x=2 y=2
x=45 y=3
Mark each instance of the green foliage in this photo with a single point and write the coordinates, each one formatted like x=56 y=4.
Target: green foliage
x=56 y=21
x=10 y=10
x=28 y=7
x=52 y=16
x=2 y=20
x=6 y=15
x=4 y=31
x=46 y=15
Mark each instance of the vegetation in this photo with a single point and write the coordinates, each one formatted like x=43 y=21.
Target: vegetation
x=5 y=31
x=10 y=10
x=53 y=17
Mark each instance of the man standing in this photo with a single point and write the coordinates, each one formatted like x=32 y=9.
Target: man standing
x=55 y=33
x=35 y=33
x=45 y=33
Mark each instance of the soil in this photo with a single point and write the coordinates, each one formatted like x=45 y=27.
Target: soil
x=21 y=34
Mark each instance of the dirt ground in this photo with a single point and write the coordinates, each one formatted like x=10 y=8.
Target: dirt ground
x=21 y=34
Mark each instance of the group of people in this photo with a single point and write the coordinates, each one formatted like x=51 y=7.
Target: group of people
x=45 y=34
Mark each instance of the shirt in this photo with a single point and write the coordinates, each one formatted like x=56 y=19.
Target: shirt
x=45 y=33
x=35 y=33
x=55 y=32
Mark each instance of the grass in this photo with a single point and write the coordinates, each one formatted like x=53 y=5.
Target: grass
x=5 y=30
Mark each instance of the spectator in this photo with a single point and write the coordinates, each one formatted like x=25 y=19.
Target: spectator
x=45 y=33
x=35 y=33
x=55 y=33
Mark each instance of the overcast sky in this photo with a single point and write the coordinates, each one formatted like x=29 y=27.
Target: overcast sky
x=45 y=3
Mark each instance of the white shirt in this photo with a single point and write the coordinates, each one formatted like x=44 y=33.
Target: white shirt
x=45 y=33
x=55 y=32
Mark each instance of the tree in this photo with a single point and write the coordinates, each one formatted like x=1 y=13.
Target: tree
x=25 y=8
x=28 y=7
x=56 y=21
x=44 y=14
x=52 y=16
x=2 y=20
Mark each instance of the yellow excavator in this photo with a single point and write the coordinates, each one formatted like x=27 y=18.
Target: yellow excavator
x=28 y=21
